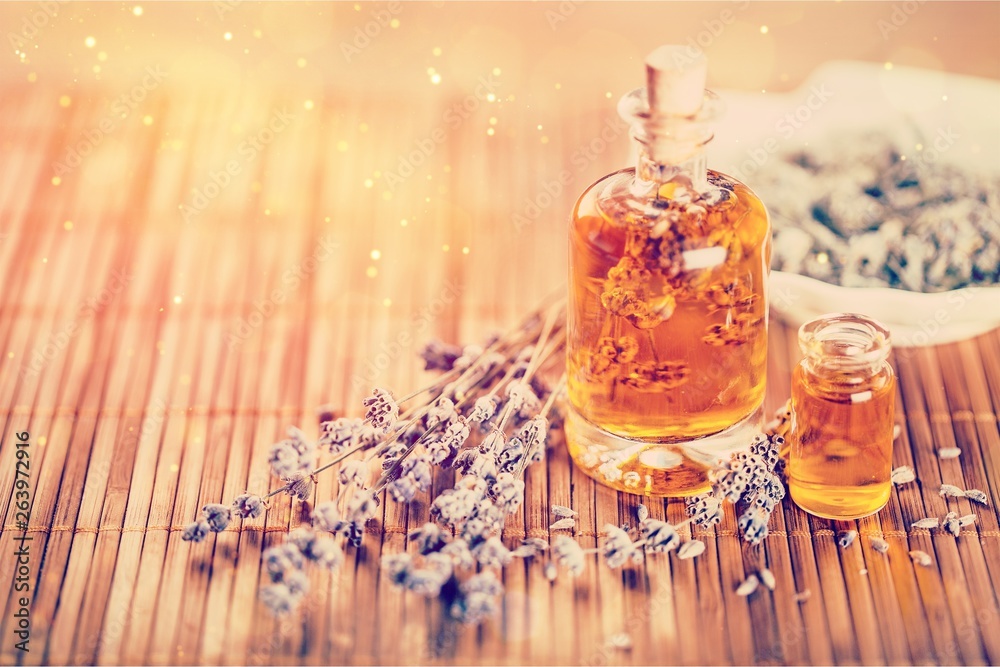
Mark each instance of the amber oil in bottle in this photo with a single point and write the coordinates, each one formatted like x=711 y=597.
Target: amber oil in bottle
x=843 y=398
x=667 y=336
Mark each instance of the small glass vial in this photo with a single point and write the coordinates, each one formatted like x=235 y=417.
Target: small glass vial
x=667 y=324
x=843 y=400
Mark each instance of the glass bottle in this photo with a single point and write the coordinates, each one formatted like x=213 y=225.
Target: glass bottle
x=843 y=399
x=667 y=337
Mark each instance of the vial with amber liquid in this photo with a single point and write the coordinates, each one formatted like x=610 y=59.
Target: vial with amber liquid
x=843 y=398
x=667 y=317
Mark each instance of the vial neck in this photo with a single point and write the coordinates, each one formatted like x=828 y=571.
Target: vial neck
x=683 y=163
x=844 y=343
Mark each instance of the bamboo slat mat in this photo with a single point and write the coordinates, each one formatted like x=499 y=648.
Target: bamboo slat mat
x=161 y=365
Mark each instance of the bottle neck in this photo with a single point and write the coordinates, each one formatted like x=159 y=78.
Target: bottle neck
x=693 y=168
x=844 y=343
x=670 y=148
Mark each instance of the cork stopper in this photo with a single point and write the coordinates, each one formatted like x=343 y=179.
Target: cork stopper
x=675 y=80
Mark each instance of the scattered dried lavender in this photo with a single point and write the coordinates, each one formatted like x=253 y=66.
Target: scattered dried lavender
x=563 y=512
x=691 y=549
x=951 y=491
x=749 y=585
x=977 y=496
x=858 y=213
x=846 y=538
x=563 y=524
x=767 y=578
x=951 y=522
x=903 y=475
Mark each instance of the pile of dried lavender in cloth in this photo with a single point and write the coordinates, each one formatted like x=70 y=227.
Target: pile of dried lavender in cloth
x=867 y=210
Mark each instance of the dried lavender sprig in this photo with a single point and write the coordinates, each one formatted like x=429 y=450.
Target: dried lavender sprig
x=413 y=413
x=408 y=414
x=547 y=327
x=536 y=357
x=533 y=364
x=556 y=391
x=441 y=380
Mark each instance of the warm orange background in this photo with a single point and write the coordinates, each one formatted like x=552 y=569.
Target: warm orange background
x=169 y=390
x=588 y=47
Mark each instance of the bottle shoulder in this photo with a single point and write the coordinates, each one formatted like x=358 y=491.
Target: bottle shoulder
x=619 y=197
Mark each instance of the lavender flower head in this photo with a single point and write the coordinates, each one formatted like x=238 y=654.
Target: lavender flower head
x=345 y=433
x=403 y=489
x=533 y=434
x=618 y=547
x=325 y=552
x=217 y=516
x=511 y=455
x=428 y=538
x=351 y=472
x=493 y=442
x=484 y=409
x=458 y=552
x=427 y=583
x=279 y=599
x=447 y=444
x=660 y=536
x=478 y=599
x=284 y=459
x=418 y=466
x=531 y=547
x=247 y=506
x=415 y=476
x=304 y=448
x=442 y=412
x=464 y=459
x=568 y=554
x=429 y=580
x=297 y=583
x=196 y=531
x=382 y=410
x=521 y=398
x=281 y=560
x=325 y=516
x=492 y=553
x=753 y=524
x=468 y=357
x=300 y=485
x=508 y=492
x=303 y=539
x=439 y=356
x=360 y=508
x=398 y=567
